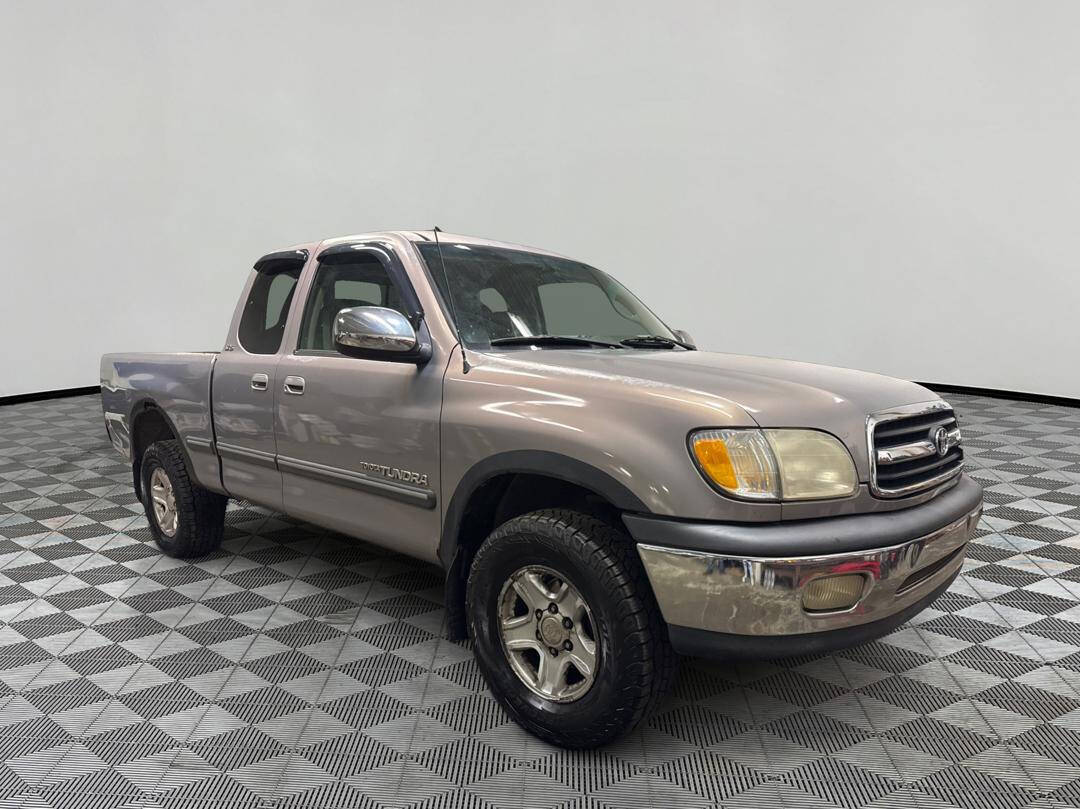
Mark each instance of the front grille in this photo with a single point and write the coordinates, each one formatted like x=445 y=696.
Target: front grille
x=905 y=449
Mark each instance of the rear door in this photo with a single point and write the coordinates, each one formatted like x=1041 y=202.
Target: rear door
x=357 y=441
x=243 y=383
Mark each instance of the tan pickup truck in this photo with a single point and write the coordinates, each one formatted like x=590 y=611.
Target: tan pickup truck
x=600 y=494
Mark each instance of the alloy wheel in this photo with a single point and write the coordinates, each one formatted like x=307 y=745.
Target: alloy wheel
x=164 y=499
x=548 y=634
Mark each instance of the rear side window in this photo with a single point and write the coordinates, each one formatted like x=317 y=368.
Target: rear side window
x=266 y=310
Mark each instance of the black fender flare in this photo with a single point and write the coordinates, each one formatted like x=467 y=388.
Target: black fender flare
x=536 y=462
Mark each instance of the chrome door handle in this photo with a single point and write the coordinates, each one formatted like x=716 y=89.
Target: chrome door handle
x=259 y=381
x=294 y=385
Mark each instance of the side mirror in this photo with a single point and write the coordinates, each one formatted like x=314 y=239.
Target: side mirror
x=686 y=338
x=375 y=332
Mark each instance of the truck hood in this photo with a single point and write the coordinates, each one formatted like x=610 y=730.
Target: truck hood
x=773 y=392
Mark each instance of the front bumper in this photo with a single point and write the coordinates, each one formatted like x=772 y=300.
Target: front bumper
x=718 y=599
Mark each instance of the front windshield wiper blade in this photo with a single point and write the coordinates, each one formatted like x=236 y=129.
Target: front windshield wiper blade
x=654 y=341
x=552 y=340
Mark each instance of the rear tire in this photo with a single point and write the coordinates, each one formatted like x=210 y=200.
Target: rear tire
x=185 y=519
x=591 y=573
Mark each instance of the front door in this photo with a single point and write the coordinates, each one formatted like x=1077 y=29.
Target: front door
x=357 y=439
x=243 y=385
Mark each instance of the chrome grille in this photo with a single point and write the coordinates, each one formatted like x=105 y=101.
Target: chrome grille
x=913 y=448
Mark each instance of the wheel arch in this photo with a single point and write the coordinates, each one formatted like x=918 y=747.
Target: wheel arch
x=150 y=423
x=505 y=485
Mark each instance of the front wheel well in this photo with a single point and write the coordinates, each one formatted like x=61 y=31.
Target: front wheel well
x=501 y=498
x=148 y=425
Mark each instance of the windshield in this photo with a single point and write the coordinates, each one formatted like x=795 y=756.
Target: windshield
x=498 y=294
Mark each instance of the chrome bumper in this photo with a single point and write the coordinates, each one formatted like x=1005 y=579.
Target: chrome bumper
x=741 y=595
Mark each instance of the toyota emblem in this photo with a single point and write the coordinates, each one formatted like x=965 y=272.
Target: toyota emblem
x=941 y=441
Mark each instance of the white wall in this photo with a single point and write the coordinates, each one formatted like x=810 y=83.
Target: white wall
x=887 y=186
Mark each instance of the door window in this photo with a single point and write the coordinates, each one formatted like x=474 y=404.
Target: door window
x=266 y=310
x=364 y=282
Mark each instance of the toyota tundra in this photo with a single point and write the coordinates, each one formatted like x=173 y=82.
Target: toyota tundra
x=600 y=494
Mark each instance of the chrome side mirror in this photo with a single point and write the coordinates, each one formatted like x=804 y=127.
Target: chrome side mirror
x=686 y=338
x=376 y=332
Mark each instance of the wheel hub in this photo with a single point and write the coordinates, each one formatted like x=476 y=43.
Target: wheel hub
x=552 y=631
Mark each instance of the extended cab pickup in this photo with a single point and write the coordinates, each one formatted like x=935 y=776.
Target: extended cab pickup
x=599 y=493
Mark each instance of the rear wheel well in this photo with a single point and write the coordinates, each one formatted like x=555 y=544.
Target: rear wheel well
x=502 y=498
x=148 y=425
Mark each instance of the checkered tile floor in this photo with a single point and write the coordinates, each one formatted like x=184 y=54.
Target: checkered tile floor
x=300 y=668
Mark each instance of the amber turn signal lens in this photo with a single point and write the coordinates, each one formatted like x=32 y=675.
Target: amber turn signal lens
x=713 y=456
x=831 y=593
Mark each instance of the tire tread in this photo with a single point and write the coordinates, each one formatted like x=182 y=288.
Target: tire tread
x=612 y=556
x=202 y=512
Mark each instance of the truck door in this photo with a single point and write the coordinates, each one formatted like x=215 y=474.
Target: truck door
x=357 y=439
x=243 y=390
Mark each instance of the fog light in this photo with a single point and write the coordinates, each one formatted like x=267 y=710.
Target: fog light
x=830 y=593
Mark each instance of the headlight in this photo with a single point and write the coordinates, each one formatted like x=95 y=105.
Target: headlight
x=812 y=465
x=775 y=464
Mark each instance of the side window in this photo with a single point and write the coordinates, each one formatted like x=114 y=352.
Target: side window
x=266 y=310
x=281 y=290
x=364 y=282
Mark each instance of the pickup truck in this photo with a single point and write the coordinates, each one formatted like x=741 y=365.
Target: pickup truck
x=601 y=495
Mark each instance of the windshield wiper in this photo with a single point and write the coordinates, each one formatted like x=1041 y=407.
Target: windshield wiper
x=551 y=340
x=654 y=341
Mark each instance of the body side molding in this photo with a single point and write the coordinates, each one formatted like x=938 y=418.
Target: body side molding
x=245 y=453
x=414 y=495
x=200 y=443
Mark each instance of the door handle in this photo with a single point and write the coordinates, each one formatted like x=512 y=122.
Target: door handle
x=259 y=381
x=294 y=385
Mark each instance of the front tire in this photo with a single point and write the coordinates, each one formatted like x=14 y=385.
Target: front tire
x=567 y=633
x=185 y=519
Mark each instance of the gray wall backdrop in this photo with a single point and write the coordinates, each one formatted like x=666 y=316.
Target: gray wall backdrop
x=889 y=186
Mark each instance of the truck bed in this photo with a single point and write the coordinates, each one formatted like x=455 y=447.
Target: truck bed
x=178 y=384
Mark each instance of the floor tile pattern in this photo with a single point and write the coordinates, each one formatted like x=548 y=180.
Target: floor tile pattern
x=297 y=667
